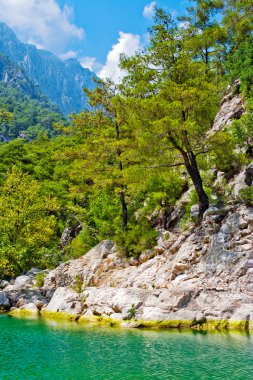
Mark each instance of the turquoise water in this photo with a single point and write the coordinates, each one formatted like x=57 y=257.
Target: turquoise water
x=33 y=349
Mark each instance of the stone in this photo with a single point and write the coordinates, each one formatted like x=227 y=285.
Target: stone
x=147 y=255
x=180 y=268
x=3 y=284
x=154 y=314
x=242 y=313
x=203 y=277
x=249 y=175
x=134 y=262
x=245 y=247
x=88 y=313
x=30 y=307
x=4 y=301
x=33 y=272
x=232 y=107
x=9 y=288
x=211 y=211
x=26 y=296
x=84 y=269
x=22 y=282
x=195 y=211
x=21 y=302
x=70 y=233
x=239 y=184
x=249 y=218
x=39 y=304
x=128 y=298
x=64 y=300
x=250 y=263
x=99 y=300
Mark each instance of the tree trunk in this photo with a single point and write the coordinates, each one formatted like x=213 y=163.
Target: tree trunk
x=193 y=171
x=124 y=210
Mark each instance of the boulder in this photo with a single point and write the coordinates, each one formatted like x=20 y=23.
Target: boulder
x=23 y=282
x=25 y=296
x=31 y=307
x=249 y=175
x=64 y=300
x=127 y=299
x=98 y=300
x=239 y=184
x=4 y=301
x=3 y=284
x=33 y=272
x=195 y=211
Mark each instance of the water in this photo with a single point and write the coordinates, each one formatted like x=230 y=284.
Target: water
x=33 y=349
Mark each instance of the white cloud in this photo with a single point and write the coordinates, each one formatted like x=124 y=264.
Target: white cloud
x=42 y=22
x=88 y=62
x=68 y=54
x=91 y=63
x=149 y=9
x=127 y=44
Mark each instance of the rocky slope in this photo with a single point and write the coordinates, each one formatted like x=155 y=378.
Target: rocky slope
x=199 y=278
x=13 y=75
x=62 y=82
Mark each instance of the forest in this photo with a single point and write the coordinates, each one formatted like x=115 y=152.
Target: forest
x=117 y=170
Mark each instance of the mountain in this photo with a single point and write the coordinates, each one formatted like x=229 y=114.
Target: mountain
x=30 y=116
x=14 y=76
x=32 y=112
x=61 y=81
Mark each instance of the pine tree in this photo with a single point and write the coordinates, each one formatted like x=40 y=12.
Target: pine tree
x=179 y=102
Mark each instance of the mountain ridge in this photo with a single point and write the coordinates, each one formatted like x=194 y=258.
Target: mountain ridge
x=61 y=81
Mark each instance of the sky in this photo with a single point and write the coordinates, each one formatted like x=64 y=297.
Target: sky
x=95 y=32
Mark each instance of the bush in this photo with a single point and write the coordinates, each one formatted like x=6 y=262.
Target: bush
x=40 y=279
x=247 y=195
x=137 y=238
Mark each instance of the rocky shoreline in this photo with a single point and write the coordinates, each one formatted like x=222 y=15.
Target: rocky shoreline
x=199 y=279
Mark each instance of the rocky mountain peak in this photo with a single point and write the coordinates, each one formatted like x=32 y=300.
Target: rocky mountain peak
x=62 y=82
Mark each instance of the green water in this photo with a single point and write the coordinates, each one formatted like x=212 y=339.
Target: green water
x=33 y=349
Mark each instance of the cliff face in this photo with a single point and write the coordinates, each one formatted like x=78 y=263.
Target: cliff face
x=13 y=75
x=62 y=82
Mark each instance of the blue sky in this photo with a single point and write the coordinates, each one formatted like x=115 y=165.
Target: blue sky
x=93 y=31
x=103 y=19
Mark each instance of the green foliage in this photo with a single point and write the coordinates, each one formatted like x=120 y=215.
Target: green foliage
x=27 y=223
x=132 y=311
x=247 y=195
x=240 y=65
x=40 y=280
x=223 y=151
x=136 y=151
x=78 y=283
x=243 y=128
x=193 y=200
x=23 y=116
x=137 y=238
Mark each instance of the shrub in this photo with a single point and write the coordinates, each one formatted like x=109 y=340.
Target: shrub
x=40 y=279
x=137 y=238
x=247 y=195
